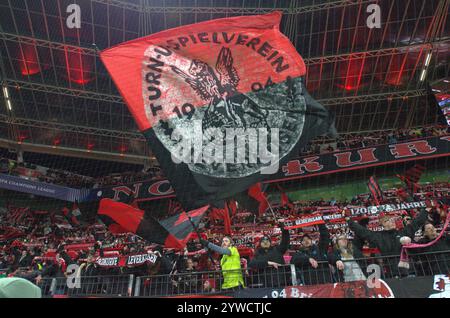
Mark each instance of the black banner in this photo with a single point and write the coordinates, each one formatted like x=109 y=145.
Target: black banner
x=126 y=260
x=375 y=210
x=145 y=190
x=426 y=148
x=303 y=167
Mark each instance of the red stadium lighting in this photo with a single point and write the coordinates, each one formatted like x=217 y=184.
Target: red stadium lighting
x=21 y=138
x=79 y=67
x=395 y=75
x=90 y=146
x=28 y=60
x=123 y=148
x=350 y=88
x=352 y=74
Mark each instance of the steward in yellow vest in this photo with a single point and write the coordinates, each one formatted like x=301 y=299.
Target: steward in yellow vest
x=230 y=263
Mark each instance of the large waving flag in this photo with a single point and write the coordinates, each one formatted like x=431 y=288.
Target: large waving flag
x=197 y=91
x=173 y=232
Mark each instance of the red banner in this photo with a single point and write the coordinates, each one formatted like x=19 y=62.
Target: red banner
x=304 y=221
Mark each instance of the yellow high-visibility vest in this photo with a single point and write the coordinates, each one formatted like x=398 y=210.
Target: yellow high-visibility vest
x=231 y=269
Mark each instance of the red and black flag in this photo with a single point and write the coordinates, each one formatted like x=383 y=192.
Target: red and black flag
x=224 y=215
x=115 y=228
x=284 y=199
x=173 y=232
x=375 y=190
x=222 y=103
x=254 y=199
x=412 y=177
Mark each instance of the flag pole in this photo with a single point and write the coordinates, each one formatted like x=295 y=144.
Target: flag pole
x=270 y=208
x=199 y=237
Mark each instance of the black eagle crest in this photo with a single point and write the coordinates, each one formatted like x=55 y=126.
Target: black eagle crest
x=227 y=108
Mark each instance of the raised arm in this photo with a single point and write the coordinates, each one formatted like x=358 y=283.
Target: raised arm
x=285 y=240
x=416 y=224
x=218 y=249
x=361 y=232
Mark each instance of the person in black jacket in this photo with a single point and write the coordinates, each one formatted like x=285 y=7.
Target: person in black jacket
x=164 y=267
x=25 y=259
x=309 y=270
x=267 y=263
x=388 y=240
x=436 y=259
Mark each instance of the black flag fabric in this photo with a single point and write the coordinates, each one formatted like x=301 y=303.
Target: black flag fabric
x=173 y=232
x=222 y=103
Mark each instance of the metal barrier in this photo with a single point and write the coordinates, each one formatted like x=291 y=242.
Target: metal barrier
x=384 y=267
x=212 y=282
x=423 y=264
x=47 y=286
x=88 y=286
x=190 y=283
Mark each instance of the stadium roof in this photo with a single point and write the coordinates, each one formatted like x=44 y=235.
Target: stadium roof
x=61 y=96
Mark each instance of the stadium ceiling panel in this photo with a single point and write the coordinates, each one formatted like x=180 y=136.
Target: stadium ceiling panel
x=371 y=78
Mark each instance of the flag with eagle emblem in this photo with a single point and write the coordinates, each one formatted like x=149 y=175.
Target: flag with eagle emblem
x=232 y=88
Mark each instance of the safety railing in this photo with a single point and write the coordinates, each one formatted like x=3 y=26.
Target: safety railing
x=88 y=286
x=220 y=282
x=383 y=267
x=210 y=282
x=47 y=286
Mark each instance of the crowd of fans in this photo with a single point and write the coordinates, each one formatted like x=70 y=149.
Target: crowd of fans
x=128 y=177
x=362 y=140
x=44 y=174
x=320 y=145
x=72 y=180
x=45 y=243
